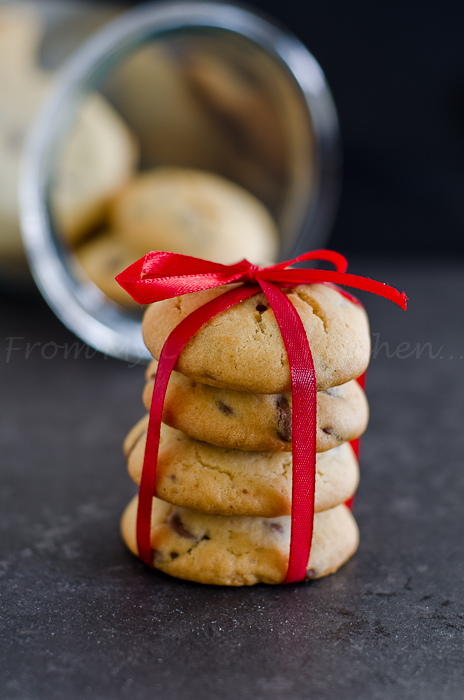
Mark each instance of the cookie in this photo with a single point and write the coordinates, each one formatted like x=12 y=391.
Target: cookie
x=242 y=102
x=203 y=141
x=18 y=107
x=102 y=258
x=23 y=87
x=20 y=33
x=98 y=158
x=242 y=348
x=236 y=550
x=149 y=91
x=214 y=479
x=195 y=213
x=264 y=117
x=237 y=419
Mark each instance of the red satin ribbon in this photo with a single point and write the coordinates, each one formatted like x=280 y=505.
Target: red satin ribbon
x=160 y=275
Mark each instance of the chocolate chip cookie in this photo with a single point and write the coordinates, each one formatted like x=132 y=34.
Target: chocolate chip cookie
x=213 y=479
x=196 y=213
x=242 y=348
x=102 y=258
x=237 y=419
x=237 y=550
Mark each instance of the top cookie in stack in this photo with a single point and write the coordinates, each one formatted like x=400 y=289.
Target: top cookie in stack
x=242 y=348
x=224 y=467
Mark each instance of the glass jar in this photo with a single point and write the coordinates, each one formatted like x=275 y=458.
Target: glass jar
x=285 y=151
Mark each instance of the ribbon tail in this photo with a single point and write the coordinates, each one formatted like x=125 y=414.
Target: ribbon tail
x=294 y=277
x=304 y=411
x=172 y=348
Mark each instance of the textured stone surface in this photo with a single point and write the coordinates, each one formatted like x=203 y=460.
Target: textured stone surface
x=82 y=618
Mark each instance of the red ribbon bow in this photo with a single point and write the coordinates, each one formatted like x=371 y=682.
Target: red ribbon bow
x=160 y=275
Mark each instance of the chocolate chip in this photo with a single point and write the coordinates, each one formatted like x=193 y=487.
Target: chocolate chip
x=176 y=524
x=261 y=308
x=174 y=555
x=330 y=431
x=206 y=537
x=173 y=477
x=225 y=409
x=284 y=419
x=244 y=490
x=277 y=527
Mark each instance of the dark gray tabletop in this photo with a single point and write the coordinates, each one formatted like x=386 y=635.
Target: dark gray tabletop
x=82 y=618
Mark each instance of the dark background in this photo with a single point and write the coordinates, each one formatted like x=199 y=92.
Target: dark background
x=396 y=71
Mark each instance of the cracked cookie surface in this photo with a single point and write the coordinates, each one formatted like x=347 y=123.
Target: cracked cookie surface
x=242 y=348
x=237 y=550
x=194 y=212
x=211 y=479
x=245 y=421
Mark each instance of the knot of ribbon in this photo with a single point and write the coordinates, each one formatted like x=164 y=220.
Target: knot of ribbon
x=251 y=276
x=160 y=275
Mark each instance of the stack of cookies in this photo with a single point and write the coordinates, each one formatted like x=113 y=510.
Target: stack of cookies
x=224 y=478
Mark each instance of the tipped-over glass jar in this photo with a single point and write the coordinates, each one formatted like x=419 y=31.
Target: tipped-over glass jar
x=208 y=99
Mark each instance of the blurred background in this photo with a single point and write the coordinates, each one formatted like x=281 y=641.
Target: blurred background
x=396 y=71
x=397 y=76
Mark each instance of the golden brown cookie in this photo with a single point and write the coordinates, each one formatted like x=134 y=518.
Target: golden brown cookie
x=20 y=33
x=99 y=157
x=23 y=87
x=195 y=213
x=236 y=550
x=204 y=140
x=242 y=348
x=237 y=419
x=242 y=104
x=214 y=479
x=102 y=258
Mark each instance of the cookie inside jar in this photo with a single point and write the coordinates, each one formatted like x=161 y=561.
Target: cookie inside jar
x=206 y=152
